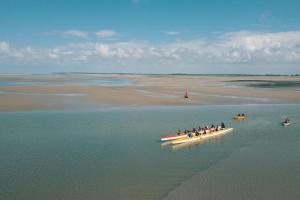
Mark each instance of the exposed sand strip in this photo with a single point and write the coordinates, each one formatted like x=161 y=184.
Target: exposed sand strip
x=144 y=90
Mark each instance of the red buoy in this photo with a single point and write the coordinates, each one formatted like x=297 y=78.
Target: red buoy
x=186 y=94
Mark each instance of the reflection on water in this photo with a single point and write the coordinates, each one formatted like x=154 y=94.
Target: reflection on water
x=189 y=144
x=164 y=144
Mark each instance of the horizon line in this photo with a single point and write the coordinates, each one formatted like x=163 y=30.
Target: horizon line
x=132 y=73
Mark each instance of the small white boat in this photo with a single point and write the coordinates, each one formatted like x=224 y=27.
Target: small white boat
x=285 y=124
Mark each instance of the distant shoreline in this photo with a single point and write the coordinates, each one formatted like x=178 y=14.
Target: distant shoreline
x=155 y=74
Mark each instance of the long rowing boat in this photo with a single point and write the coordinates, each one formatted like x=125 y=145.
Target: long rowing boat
x=179 y=135
x=202 y=136
x=174 y=136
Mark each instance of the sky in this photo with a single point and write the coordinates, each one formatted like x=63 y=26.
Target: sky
x=150 y=36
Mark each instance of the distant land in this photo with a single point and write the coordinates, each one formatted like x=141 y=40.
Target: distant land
x=154 y=74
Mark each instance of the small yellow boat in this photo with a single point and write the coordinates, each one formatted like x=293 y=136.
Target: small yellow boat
x=239 y=117
x=202 y=136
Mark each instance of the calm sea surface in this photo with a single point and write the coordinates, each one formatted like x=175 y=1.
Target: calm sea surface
x=116 y=153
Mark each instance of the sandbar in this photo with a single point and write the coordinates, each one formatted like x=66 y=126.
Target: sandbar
x=73 y=91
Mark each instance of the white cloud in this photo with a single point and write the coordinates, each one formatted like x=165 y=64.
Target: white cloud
x=75 y=33
x=103 y=50
x=4 y=47
x=172 y=33
x=237 y=48
x=258 y=47
x=18 y=54
x=105 y=33
x=52 y=55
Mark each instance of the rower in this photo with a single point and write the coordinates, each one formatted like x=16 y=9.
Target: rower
x=222 y=125
x=199 y=129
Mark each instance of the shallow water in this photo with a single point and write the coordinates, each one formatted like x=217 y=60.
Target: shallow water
x=42 y=94
x=116 y=153
x=292 y=85
x=82 y=81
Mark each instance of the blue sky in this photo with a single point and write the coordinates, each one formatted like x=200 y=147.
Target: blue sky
x=150 y=36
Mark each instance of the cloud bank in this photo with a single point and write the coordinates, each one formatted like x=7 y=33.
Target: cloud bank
x=105 y=33
x=237 y=48
x=75 y=33
x=4 y=47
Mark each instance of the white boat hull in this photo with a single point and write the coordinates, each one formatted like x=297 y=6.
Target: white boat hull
x=202 y=137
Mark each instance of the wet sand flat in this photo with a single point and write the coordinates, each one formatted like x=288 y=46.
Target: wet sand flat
x=75 y=91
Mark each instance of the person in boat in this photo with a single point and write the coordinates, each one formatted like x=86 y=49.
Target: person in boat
x=222 y=125
x=239 y=115
x=179 y=132
x=243 y=115
x=287 y=120
x=218 y=127
x=199 y=129
x=194 y=130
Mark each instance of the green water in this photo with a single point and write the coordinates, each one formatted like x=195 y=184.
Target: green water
x=116 y=153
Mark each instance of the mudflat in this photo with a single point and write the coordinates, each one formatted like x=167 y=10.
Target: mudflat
x=77 y=91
